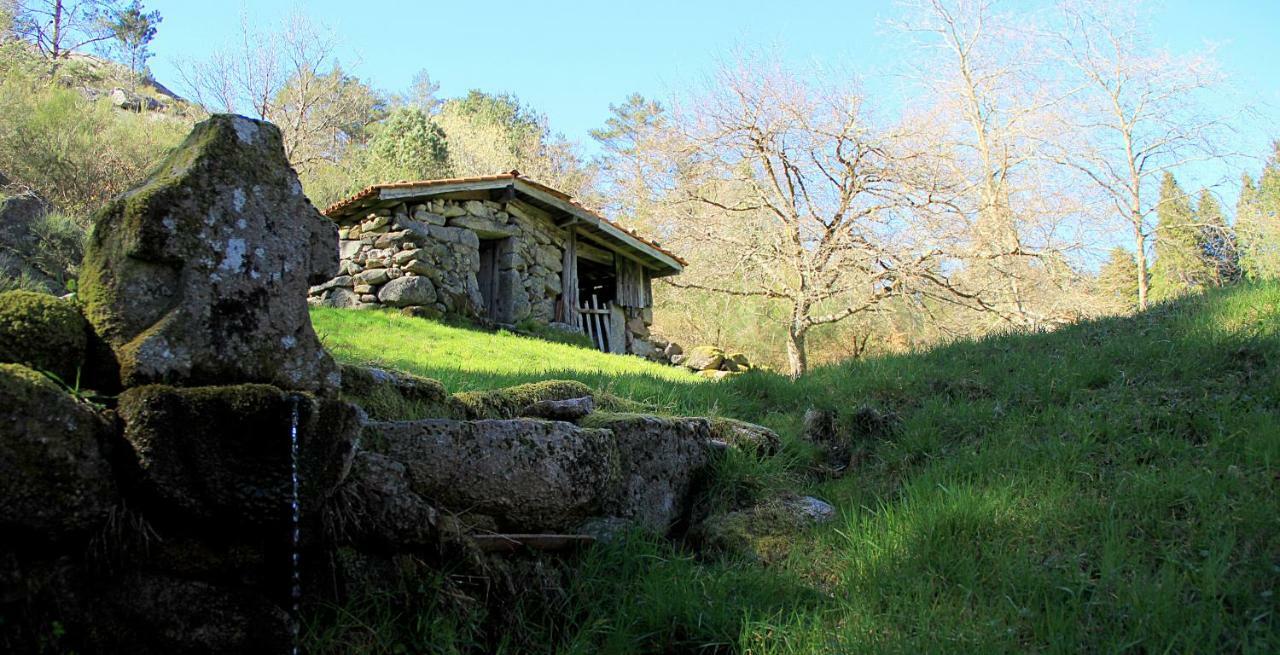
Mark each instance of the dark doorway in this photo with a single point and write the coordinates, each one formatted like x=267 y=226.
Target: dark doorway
x=597 y=280
x=488 y=276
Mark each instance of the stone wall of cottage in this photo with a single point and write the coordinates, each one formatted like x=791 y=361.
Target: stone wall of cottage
x=426 y=255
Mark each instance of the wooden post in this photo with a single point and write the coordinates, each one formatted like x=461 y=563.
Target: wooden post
x=569 y=278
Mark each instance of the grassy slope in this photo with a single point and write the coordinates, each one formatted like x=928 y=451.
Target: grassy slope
x=1110 y=486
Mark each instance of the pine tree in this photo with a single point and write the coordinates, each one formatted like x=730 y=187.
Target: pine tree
x=1179 y=264
x=1217 y=241
x=1258 y=222
x=1116 y=281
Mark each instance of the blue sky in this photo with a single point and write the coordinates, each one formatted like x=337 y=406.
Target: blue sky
x=569 y=60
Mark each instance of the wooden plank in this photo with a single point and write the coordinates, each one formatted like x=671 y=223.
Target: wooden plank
x=629 y=280
x=506 y=543
x=595 y=323
x=569 y=278
x=603 y=317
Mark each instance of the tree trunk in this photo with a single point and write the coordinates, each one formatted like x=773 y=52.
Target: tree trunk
x=1140 y=244
x=55 y=46
x=797 y=357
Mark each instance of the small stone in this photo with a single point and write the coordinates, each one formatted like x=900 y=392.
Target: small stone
x=419 y=267
x=560 y=410
x=390 y=239
x=363 y=289
x=404 y=256
x=373 y=276
x=369 y=299
x=405 y=291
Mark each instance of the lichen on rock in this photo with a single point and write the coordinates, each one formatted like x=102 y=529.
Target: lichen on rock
x=200 y=274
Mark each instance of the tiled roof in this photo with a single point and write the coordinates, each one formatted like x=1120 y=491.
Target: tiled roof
x=339 y=208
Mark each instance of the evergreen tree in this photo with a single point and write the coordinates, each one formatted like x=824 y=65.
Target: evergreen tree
x=1179 y=264
x=1217 y=241
x=1116 y=281
x=1258 y=222
x=133 y=30
x=408 y=146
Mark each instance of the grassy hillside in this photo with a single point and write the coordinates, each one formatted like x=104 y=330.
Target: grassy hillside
x=1111 y=486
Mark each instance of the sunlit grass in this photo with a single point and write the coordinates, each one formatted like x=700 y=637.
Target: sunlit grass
x=1112 y=486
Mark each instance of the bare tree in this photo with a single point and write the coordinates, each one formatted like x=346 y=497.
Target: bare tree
x=804 y=203
x=289 y=76
x=989 y=111
x=1137 y=114
x=60 y=27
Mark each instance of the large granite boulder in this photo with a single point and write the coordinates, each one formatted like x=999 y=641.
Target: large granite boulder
x=54 y=480
x=529 y=475
x=216 y=456
x=199 y=275
x=662 y=460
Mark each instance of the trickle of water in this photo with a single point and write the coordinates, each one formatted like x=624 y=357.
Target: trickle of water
x=295 y=506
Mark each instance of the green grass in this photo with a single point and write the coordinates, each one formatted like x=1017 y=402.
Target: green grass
x=1112 y=486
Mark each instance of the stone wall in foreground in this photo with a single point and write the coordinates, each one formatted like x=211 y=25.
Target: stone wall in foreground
x=427 y=255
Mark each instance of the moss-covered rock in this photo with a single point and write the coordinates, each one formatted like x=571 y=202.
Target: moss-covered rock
x=43 y=332
x=746 y=436
x=220 y=456
x=507 y=403
x=765 y=532
x=54 y=480
x=703 y=358
x=199 y=275
x=662 y=461
x=395 y=396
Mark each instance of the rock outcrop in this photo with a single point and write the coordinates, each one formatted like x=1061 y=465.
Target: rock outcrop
x=199 y=276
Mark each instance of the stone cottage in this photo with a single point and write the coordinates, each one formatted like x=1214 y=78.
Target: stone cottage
x=500 y=248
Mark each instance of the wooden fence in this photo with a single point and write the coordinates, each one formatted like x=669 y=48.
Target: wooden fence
x=595 y=322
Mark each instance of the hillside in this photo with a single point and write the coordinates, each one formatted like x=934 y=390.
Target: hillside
x=1109 y=486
